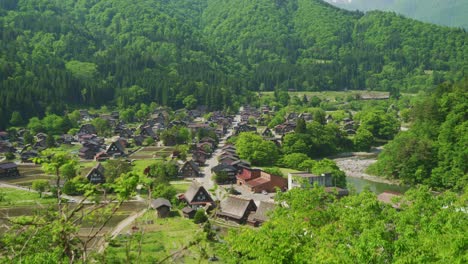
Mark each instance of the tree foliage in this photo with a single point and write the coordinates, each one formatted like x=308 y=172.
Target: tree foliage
x=255 y=149
x=315 y=227
x=211 y=52
x=433 y=151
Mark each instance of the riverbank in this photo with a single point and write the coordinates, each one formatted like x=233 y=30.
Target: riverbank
x=355 y=166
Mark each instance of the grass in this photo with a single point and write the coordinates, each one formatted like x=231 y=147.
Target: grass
x=13 y=197
x=285 y=171
x=141 y=165
x=152 y=152
x=181 y=186
x=86 y=166
x=159 y=238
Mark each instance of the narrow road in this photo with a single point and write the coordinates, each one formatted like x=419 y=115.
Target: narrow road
x=121 y=226
x=207 y=180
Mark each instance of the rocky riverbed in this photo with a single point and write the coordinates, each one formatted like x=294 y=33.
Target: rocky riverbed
x=356 y=165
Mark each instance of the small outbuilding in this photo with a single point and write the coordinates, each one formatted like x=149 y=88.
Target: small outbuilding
x=162 y=206
x=188 y=212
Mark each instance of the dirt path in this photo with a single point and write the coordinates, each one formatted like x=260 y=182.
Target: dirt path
x=121 y=226
x=126 y=222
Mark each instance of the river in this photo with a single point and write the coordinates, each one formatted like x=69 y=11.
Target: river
x=359 y=184
x=357 y=179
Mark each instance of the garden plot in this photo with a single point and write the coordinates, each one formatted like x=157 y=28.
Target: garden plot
x=152 y=153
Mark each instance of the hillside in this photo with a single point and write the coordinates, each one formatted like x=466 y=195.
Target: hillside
x=442 y=12
x=56 y=55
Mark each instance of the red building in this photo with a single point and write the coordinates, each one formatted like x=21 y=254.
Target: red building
x=257 y=180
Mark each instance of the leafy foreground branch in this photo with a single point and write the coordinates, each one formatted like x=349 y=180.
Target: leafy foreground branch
x=53 y=235
x=314 y=227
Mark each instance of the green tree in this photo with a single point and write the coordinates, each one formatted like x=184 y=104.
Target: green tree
x=164 y=190
x=102 y=126
x=300 y=126
x=16 y=119
x=252 y=147
x=200 y=217
x=293 y=160
x=114 y=168
x=28 y=138
x=190 y=102
x=35 y=125
x=363 y=139
x=69 y=170
x=50 y=141
x=380 y=124
x=163 y=171
x=40 y=186
x=221 y=177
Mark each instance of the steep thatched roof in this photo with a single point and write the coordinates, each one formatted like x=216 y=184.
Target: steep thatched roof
x=262 y=212
x=157 y=203
x=236 y=207
x=193 y=190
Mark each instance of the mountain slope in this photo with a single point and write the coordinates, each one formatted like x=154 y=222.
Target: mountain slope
x=442 y=12
x=55 y=54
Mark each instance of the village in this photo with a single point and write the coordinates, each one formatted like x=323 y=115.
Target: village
x=210 y=179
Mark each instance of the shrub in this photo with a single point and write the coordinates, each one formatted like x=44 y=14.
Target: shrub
x=200 y=216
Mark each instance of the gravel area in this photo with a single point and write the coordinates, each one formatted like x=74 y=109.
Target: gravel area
x=355 y=167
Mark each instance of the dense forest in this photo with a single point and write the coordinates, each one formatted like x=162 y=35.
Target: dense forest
x=442 y=12
x=434 y=150
x=56 y=55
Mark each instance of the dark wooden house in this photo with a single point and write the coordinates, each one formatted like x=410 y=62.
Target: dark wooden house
x=27 y=156
x=96 y=174
x=8 y=170
x=87 y=153
x=87 y=129
x=147 y=131
x=116 y=149
x=162 y=206
x=229 y=170
x=189 y=212
x=189 y=170
x=196 y=196
x=244 y=128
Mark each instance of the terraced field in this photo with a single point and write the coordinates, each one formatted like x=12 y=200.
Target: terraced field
x=29 y=173
x=152 y=153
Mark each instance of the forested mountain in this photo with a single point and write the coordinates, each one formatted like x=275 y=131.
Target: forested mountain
x=434 y=150
x=58 y=53
x=442 y=12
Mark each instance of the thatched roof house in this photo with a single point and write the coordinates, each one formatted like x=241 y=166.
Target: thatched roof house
x=162 y=206
x=236 y=209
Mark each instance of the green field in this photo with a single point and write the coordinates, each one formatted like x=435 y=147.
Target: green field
x=181 y=186
x=152 y=153
x=157 y=239
x=285 y=171
x=13 y=197
x=331 y=95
